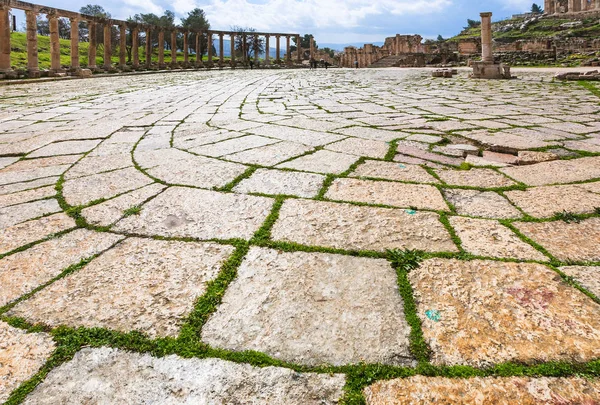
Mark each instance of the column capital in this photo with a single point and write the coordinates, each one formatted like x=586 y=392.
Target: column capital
x=74 y=19
x=485 y=14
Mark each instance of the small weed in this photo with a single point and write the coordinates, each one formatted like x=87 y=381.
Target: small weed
x=465 y=166
x=597 y=210
x=405 y=260
x=568 y=217
x=135 y=210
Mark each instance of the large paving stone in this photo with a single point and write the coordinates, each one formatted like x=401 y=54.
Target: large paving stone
x=269 y=155
x=486 y=204
x=27 y=185
x=26 y=196
x=97 y=164
x=387 y=193
x=566 y=241
x=485 y=237
x=273 y=182
x=21 y=356
x=481 y=312
x=486 y=178
x=544 y=202
x=233 y=145
x=303 y=136
x=322 y=161
x=490 y=390
x=112 y=376
x=360 y=147
x=202 y=214
x=588 y=277
x=84 y=190
x=15 y=214
x=141 y=284
x=24 y=271
x=556 y=172
x=394 y=171
x=372 y=133
x=304 y=308
x=65 y=148
x=350 y=227
x=24 y=233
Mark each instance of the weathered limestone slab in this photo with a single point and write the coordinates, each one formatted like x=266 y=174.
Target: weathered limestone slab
x=303 y=136
x=587 y=277
x=545 y=201
x=19 y=176
x=347 y=226
x=24 y=271
x=265 y=181
x=304 y=308
x=201 y=214
x=424 y=154
x=556 y=172
x=26 y=196
x=84 y=190
x=478 y=161
x=486 y=204
x=97 y=164
x=235 y=145
x=486 y=178
x=387 y=193
x=269 y=155
x=322 y=161
x=154 y=289
x=7 y=161
x=528 y=157
x=505 y=158
x=360 y=147
x=24 y=233
x=485 y=237
x=65 y=148
x=489 y=390
x=15 y=214
x=566 y=241
x=372 y=133
x=108 y=212
x=482 y=312
x=425 y=138
x=21 y=356
x=503 y=141
x=394 y=171
x=139 y=378
x=28 y=185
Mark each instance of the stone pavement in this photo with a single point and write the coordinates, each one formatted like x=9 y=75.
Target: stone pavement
x=296 y=237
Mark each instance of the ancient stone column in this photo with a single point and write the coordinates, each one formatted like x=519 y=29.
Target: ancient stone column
x=32 y=44
x=54 y=43
x=74 y=44
x=299 y=48
x=267 y=56
x=186 y=46
x=4 y=39
x=232 y=44
x=198 y=51
x=278 y=48
x=585 y=5
x=135 y=43
x=161 y=49
x=209 y=44
x=255 y=48
x=571 y=5
x=312 y=47
x=92 y=46
x=288 y=56
x=148 y=47
x=123 y=46
x=107 y=46
x=174 y=48
x=221 y=50
x=486 y=38
x=244 y=46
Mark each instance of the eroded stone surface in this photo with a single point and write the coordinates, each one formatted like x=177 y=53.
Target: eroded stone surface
x=544 y=202
x=139 y=378
x=141 y=284
x=322 y=161
x=360 y=147
x=21 y=356
x=346 y=226
x=393 y=171
x=484 y=312
x=486 y=178
x=315 y=301
x=556 y=172
x=387 y=193
x=15 y=214
x=265 y=181
x=486 y=204
x=24 y=271
x=26 y=196
x=472 y=391
x=65 y=148
x=566 y=241
x=588 y=277
x=24 y=233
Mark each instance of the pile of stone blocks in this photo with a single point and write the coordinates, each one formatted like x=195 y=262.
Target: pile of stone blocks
x=447 y=73
x=591 y=75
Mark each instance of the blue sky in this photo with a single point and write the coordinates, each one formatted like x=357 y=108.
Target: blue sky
x=331 y=21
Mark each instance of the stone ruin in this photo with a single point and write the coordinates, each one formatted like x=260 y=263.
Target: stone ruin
x=398 y=51
x=487 y=68
x=560 y=7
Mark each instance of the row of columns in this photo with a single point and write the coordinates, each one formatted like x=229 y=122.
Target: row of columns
x=55 y=66
x=573 y=6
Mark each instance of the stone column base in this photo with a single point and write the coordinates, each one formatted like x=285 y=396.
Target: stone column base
x=484 y=70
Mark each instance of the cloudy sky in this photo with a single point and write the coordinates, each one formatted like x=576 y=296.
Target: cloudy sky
x=331 y=21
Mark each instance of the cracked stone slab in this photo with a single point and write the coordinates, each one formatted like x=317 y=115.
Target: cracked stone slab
x=84 y=190
x=372 y=133
x=489 y=238
x=235 y=145
x=26 y=196
x=202 y=214
x=303 y=136
x=545 y=201
x=20 y=176
x=394 y=171
x=485 y=178
x=97 y=164
x=556 y=172
x=485 y=204
x=489 y=390
x=65 y=148
x=387 y=193
x=24 y=271
x=350 y=227
x=27 y=185
x=15 y=236
x=7 y=161
x=566 y=241
x=304 y=308
x=154 y=289
x=322 y=161
x=127 y=377
x=269 y=155
x=273 y=182
x=15 y=214
x=480 y=313
x=360 y=147
x=21 y=356
x=587 y=277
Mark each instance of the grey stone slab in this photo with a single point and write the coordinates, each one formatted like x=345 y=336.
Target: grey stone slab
x=485 y=178
x=233 y=145
x=587 y=276
x=273 y=182
x=546 y=201
x=394 y=171
x=15 y=214
x=26 y=196
x=360 y=147
x=485 y=204
x=322 y=161
x=315 y=301
x=302 y=136
x=65 y=148
x=556 y=172
x=269 y=155
x=13 y=237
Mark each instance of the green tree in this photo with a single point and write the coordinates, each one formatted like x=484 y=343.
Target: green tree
x=196 y=20
x=252 y=42
x=536 y=9
x=472 y=24
x=94 y=10
x=440 y=38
